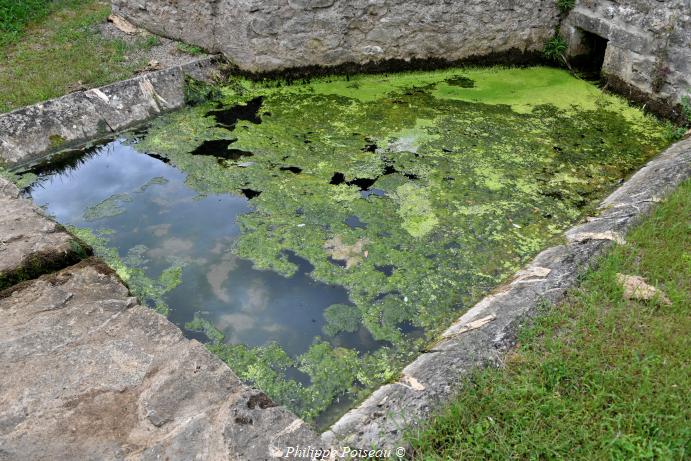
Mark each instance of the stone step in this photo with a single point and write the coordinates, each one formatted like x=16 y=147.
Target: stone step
x=31 y=244
x=88 y=373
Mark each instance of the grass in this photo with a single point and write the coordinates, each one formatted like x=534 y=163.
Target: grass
x=192 y=50
x=50 y=48
x=597 y=377
x=555 y=48
x=565 y=6
x=15 y=15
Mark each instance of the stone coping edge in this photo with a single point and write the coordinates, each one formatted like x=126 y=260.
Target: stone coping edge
x=485 y=333
x=30 y=133
x=96 y=375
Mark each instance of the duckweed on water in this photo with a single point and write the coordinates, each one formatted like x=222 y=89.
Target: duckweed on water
x=479 y=170
x=416 y=192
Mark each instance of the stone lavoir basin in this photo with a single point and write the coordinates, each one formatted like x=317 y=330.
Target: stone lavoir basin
x=318 y=236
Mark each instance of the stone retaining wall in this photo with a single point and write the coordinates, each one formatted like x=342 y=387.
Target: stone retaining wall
x=271 y=35
x=648 y=52
x=29 y=133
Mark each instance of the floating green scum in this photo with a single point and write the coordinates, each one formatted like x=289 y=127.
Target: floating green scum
x=418 y=192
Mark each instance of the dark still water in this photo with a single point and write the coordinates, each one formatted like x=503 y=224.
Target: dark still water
x=142 y=208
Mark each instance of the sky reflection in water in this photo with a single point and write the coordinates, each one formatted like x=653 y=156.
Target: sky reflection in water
x=167 y=224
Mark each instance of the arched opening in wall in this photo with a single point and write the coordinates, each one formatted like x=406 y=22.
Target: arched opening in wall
x=591 y=56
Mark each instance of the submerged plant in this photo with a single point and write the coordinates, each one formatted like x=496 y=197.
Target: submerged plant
x=202 y=325
x=149 y=290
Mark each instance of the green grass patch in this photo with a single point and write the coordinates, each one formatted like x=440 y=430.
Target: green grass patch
x=15 y=15
x=192 y=50
x=56 y=48
x=565 y=6
x=598 y=377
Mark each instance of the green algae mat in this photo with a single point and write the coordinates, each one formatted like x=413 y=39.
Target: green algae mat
x=319 y=235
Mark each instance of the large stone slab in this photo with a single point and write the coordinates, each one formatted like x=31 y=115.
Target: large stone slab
x=88 y=374
x=649 y=44
x=649 y=48
x=31 y=244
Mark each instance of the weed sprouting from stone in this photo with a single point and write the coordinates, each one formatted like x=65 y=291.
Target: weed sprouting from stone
x=565 y=6
x=555 y=48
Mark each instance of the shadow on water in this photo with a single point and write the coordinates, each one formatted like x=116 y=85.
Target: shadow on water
x=228 y=118
x=386 y=270
x=64 y=162
x=250 y=193
x=461 y=81
x=365 y=184
x=292 y=169
x=219 y=148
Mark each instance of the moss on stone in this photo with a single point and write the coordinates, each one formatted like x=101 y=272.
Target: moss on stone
x=56 y=141
x=38 y=264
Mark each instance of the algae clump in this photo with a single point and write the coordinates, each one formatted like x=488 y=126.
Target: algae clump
x=415 y=210
x=150 y=291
